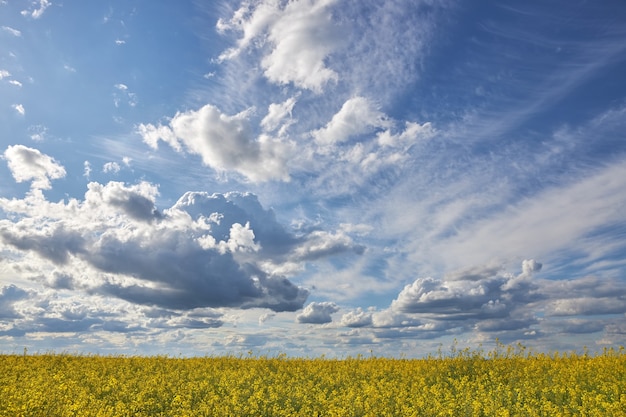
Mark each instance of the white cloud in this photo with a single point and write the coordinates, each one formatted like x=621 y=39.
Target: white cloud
x=296 y=39
x=204 y=251
x=224 y=142
x=321 y=244
x=413 y=132
x=554 y=219
x=12 y=31
x=357 y=318
x=111 y=167
x=19 y=108
x=358 y=115
x=265 y=317
x=36 y=13
x=360 y=143
x=38 y=133
x=241 y=239
x=317 y=313
x=27 y=164
x=4 y=74
x=87 y=169
x=276 y=113
x=15 y=83
x=493 y=303
x=117 y=243
x=120 y=42
x=123 y=94
x=387 y=44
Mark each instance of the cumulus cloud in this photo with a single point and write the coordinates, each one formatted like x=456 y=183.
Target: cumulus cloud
x=138 y=254
x=320 y=244
x=360 y=141
x=224 y=142
x=42 y=311
x=481 y=294
x=491 y=301
x=295 y=39
x=28 y=164
x=207 y=250
x=357 y=318
x=317 y=313
x=111 y=167
x=135 y=201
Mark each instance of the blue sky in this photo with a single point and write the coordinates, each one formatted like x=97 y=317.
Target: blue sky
x=311 y=177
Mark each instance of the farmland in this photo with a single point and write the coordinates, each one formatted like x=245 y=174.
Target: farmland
x=509 y=382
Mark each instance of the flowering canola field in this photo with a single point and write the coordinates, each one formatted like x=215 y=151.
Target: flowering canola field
x=464 y=384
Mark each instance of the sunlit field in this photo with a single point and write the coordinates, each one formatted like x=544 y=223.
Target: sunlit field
x=505 y=382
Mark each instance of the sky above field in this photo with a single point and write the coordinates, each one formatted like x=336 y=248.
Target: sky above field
x=311 y=177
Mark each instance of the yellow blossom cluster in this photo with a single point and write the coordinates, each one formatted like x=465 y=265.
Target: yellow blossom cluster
x=500 y=383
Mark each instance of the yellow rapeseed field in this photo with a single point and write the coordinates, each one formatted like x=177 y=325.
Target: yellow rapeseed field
x=506 y=382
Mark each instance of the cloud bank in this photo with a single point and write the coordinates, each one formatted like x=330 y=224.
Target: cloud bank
x=207 y=250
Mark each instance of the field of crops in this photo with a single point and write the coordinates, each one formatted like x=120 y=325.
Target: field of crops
x=500 y=383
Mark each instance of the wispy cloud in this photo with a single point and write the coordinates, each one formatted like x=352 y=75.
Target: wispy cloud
x=12 y=31
x=38 y=9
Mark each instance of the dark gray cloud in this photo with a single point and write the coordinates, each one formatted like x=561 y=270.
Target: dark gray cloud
x=488 y=300
x=453 y=299
x=54 y=243
x=491 y=325
x=207 y=281
x=576 y=326
x=119 y=326
x=60 y=281
x=135 y=201
x=62 y=325
x=207 y=250
x=234 y=207
x=8 y=296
